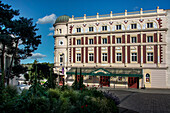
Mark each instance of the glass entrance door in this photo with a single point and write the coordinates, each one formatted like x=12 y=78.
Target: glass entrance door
x=105 y=80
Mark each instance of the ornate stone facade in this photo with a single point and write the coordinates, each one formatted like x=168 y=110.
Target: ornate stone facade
x=129 y=40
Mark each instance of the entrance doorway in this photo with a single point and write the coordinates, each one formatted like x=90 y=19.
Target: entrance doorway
x=133 y=82
x=105 y=81
x=78 y=77
x=61 y=80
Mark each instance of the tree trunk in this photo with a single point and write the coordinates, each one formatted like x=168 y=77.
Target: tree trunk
x=10 y=67
x=2 y=66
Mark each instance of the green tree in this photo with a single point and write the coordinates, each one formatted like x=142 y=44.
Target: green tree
x=21 y=35
x=6 y=16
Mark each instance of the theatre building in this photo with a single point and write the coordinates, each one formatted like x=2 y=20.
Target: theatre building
x=119 y=50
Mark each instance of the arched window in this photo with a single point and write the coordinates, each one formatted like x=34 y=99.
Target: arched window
x=147 y=77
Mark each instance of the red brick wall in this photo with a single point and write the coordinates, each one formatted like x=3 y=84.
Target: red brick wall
x=74 y=57
x=113 y=39
x=82 y=40
x=155 y=37
x=108 y=39
x=139 y=38
x=82 y=55
x=99 y=54
x=128 y=38
x=86 y=54
x=86 y=40
x=113 y=54
x=139 y=54
x=74 y=41
x=95 y=41
x=155 y=54
x=95 y=54
x=123 y=54
x=99 y=41
x=123 y=38
x=108 y=54
x=144 y=54
x=128 y=54
x=144 y=37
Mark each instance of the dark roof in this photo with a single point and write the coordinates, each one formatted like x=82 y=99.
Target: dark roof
x=63 y=18
x=107 y=72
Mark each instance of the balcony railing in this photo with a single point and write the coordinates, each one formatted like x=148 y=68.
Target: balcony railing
x=141 y=12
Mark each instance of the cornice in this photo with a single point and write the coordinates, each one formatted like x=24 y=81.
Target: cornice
x=117 y=17
x=115 y=32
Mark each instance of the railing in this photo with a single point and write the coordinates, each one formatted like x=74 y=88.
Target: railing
x=78 y=18
x=106 y=15
x=150 y=11
x=141 y=12
x=118 y=14
x=133 y=13
x=91 y=17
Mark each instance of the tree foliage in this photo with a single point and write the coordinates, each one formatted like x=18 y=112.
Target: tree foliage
x=17 y=38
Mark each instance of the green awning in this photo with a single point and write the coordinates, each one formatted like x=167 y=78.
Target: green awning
x=107 y=72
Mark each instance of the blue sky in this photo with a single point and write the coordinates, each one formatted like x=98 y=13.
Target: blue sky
x=44 y=13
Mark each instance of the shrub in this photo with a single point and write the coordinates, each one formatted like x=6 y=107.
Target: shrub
x=59 y=101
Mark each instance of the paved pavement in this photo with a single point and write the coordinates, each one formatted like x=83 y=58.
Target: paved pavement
x=143 y=100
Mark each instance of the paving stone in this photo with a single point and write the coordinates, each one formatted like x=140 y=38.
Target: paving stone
x=148 y=101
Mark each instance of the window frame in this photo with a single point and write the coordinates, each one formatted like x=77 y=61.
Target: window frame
x=151 y=40
x=92 y=29
x=91 y=41
x=78 y=30
x=78 y=41
x=104 y=40
x=149 y=25
x=132 y=27
x=91 y=57
x=78 y=57
x=104 y=57
x=147 y=77
x=132 y=41
x=117 y=27
x=61 y=58
x=150 y=56
x=134 y=57
x=104 y=28
x=117 y=40
x=120 y=55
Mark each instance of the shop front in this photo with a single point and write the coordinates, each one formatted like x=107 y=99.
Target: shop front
x=108 y=77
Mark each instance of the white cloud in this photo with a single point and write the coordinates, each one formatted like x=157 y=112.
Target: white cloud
x=37 y=56
x=50 y=34
x=51 y=28
x=135 y=8
x=47 y=19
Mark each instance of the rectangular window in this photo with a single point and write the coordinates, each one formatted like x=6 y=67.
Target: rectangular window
x=150 y=57
x=61 y=58
x=150 y=25
x=91 y=57
x=104 y=28
x=90 y=29
x=78 y=57
x=90 y=41
x=133 y=26
x=134 y=40
x=78 y=30
x=78 y=42
x=119 y=40
x=60 y=31
x=104 y=40
x=118 y=27
x=104 y=56
x=119 y=56
x=134 y=57
x=150 y=38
